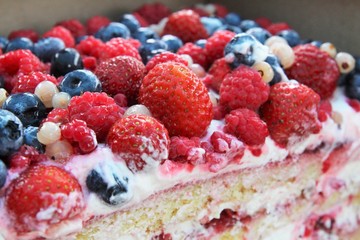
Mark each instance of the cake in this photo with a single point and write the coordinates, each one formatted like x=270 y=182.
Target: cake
x=196 y=125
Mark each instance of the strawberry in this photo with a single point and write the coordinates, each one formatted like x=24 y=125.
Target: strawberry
x=186 y=25
x=43 y=195
x=291 y=111
x=315 y=69
x=176 y=96
x=140 y=140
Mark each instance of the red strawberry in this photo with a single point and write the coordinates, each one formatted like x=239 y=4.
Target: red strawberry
x=153 y=12
x=291 y=111
x=216 y=43
x=140 y=140
x=186 y=25
x=43 y=194
x=176 y=96
x=314 y=68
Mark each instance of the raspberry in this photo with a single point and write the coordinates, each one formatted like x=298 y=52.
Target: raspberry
x=186 y=25
x=325 y=110
x=274 y=28
x=90 y=63
x=219 y=69
x=98 y=110
x=164 y=57
x=291 y=111
x=314 y=68
x=76 y=28
x=25 y=156
x=58 y=115
x=153 y=12
x=62 y=33
x=90 y=46
x=216 y=43
x=28 y=33
x=263 y=22
x=119 y=47
x=183 y=149
x=176 y=96
x=220 y=10
x=247 y=126
x=28 y=83
x=140 y=140
x=94 y=24
x=141 y=20
x=80 y=135
x=121 y=74
x=19 y=61
x=197 y=54
x=243 y=88
x=121 y=100
x=220 y=141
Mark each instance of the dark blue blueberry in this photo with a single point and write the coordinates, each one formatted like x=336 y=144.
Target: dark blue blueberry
x=211 y=24
x=64 y=61
x=79 y=81
x=79 y=39
x=30 y=138
x=3 y=173
x=173 y=42
x=231 y=28
x=19 y=43
x=46 y=48
x=259 y=33
x=357 y=64
x=247 y=24
x=352 y=87
x=11 y=133
x=201 y=43
x=113 y=30
x=276 y=67
x=144 y=33
x=2 y=82
x=150 y=48
x=130 y=22
x=111 y=182
x=233 y=19
x=3 y=42
x=27 y=107
x=291 y=36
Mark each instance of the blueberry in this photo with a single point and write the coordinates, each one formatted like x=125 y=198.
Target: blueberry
x=30 y=138
x=19 y=43
x=27 y=107
x=79 y=81
x=357 y=64
x=259 y=33
x=352 y=87
x=150 y=48
x=144 y=33
x=111 y=182
x=173 y=42
x=247 y=24
x=113 y=30
x=291 y=36
x=231 y=28
x=276 y=67
x=244 y=49
x=130 y=22
x=46 y=48
x=11 y=133
x=2 y=82
x=211 y=24
x=3 y=42
x=64 y=61
x=3 y=173
x=79 y=39
x=201 y=43
x=233 y=19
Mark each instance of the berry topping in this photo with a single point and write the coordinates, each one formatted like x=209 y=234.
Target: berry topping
x=94 y=24
x=46 y=48
x=173 y=42
x=218 y=70
x=30 y=138
x=27 y=33
x=25 y=157
x=65 y=61
x=11 y=133
x=176 y=96
x=314 y=68
x=119 y=46
x=43 y=194
x=28 y=82
x=183 y=149
x=153 y=12
x=141 y=140
x=76 y=28
x=62 y=33
x=216 y=43
x=259 y=33
x=19 y=43
x=197 y=53
x=291 y=111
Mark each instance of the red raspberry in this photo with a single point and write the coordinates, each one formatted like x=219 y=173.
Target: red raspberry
x=98 y=110
x=164 y=57
x=325 y=110
x=79 y=135
x=58 y=115
x=121 y=74
x=186 y=150
x=90 y=46
x=140 y=140
x=141 y=20
x=291 y=111
x=219 y=69
x=274 y=28
x=62 y=33
x=28 y=83
x=263 y=22
x=186 y=25
x=216 y=43
x=76 y=28
x=90 y=63
x=94 y=24
x=43 y=195
x=25 y=156
x=247 y=126
x=197 y=54
x=314 y=68
x=220 y=10
x=119 y=47
x=243 y=88
x=176 y=96
x=28 y=33
x=153 y=12
x=19 y=61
